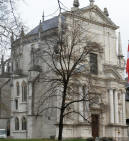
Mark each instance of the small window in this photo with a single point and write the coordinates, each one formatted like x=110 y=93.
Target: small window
x=127 y=122
x=17 y=65
x=16 y=123
x=93 y=63
x=24 y=91
x=24 y=123
x=17 y=88
x=16 y=104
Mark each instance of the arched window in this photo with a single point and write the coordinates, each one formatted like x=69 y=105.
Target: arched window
x=24 y=91
x=16 y=104
x=24 y=123
x=17 y=88
x=16 y=123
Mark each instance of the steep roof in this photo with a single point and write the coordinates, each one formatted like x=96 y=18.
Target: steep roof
x=46 y=25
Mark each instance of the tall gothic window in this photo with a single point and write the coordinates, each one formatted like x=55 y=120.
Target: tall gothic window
x=93 y=63
x=24 y=91
x=16 y=123
x=16 y=104
x=24 y=123
x=17 y=88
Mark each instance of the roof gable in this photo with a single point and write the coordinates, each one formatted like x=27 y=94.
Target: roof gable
x=95 y=14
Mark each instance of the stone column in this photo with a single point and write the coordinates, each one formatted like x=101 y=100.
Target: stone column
x=123 y=105
x=116 y=106
x=111 y=105
x=80 y=104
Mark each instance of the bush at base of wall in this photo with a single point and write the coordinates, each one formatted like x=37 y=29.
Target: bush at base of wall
x=100 y=139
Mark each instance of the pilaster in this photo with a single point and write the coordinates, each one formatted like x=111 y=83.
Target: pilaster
x=116 y=106
x=111 y=105
x=123 y=106
x=80 y=104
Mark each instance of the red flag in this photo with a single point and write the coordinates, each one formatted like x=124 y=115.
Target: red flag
x=127 y=64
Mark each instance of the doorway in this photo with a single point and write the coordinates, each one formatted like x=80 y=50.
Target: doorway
x=95 y=125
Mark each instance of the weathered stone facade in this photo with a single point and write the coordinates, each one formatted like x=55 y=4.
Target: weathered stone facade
x=109 y=82
x=5 y=109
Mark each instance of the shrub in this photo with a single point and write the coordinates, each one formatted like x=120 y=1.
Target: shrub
x=90 y=139
x=106 y=139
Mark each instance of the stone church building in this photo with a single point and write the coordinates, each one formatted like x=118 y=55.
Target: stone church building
x=108 y=117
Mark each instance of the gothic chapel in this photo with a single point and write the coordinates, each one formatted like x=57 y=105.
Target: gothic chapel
x=108 y=117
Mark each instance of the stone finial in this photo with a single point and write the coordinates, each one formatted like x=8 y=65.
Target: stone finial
x=76 y=3
x=22 y=32
x=40 y=29
x=43 y=16
x=120 y=54
x=91 y=2
x=40 y=26
x=106 y=12
x=12 y=38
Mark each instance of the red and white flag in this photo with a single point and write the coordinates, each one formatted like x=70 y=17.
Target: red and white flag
x=127 y=64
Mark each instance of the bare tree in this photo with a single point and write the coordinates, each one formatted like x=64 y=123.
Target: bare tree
x=9 y=23
x=66 y=76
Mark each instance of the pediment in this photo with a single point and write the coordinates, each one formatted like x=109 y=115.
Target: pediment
x=95 y=14
x=111 y=73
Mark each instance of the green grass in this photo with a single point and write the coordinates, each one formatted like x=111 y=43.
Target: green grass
x=25 y=140
x=40 y=140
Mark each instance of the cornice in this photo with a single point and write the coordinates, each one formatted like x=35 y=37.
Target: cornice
x=113 y=66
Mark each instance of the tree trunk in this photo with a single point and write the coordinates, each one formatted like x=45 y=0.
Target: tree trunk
x=60 y=126
x=61 y=113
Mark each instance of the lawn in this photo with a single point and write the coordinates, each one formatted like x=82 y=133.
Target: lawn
x=40 y=140
x=21 y=140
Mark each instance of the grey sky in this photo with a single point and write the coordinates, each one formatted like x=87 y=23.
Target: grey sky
x=31 y=13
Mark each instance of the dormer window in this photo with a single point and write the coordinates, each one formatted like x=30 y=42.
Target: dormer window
x=93 y=63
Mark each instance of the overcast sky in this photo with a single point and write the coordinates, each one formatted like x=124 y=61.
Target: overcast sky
x=31 y=13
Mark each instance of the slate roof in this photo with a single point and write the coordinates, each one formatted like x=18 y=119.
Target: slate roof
x=46 y=25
